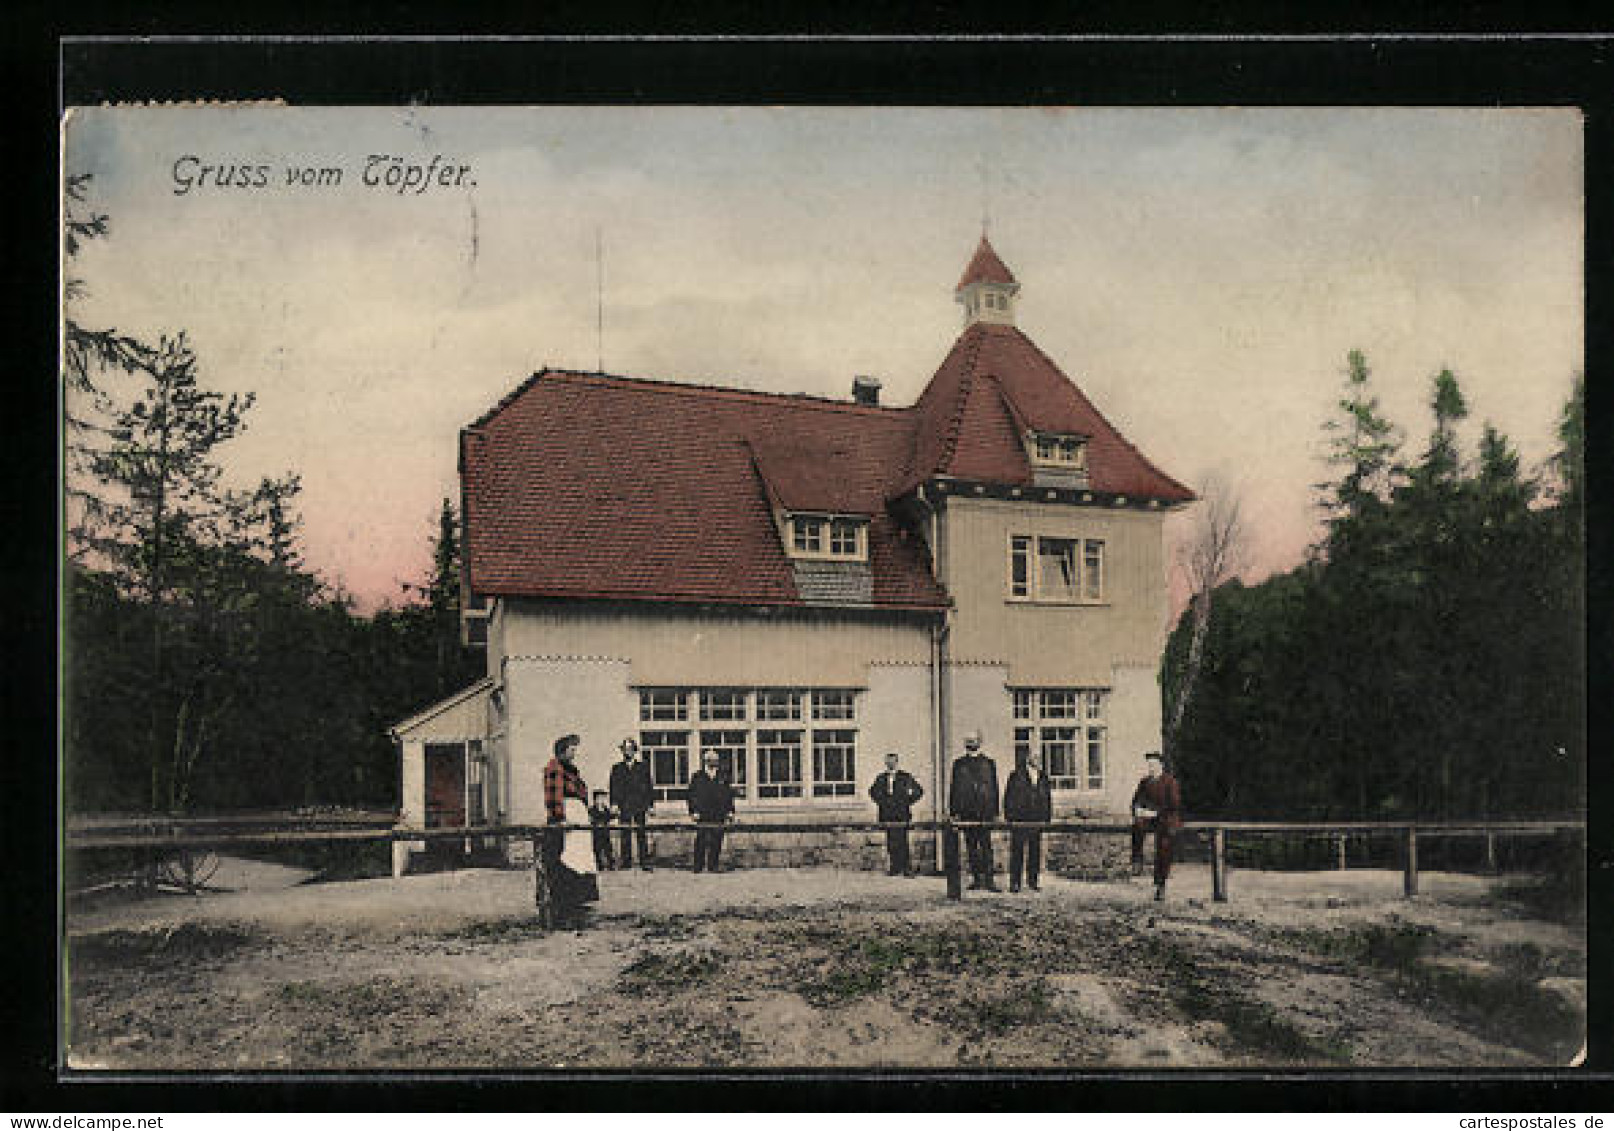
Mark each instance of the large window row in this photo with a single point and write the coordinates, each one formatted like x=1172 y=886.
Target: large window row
x=772 y=743
x=1063 y=729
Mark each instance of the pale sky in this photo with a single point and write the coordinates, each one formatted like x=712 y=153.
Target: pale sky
x=1200 y=273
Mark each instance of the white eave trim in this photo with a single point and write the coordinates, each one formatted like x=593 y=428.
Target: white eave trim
x=480 y=687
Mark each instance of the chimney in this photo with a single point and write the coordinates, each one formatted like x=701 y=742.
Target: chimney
x=866 y=390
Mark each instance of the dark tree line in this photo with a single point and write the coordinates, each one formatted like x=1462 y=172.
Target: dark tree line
x=204 y=665
x=1426 y=661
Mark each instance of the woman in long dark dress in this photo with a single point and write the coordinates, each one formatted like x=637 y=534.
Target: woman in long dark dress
x=571 y=873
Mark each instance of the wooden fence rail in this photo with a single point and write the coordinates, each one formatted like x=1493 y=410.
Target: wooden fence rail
x=179 y=834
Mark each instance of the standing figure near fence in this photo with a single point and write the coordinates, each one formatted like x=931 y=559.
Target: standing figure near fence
x=1026 y=797
x=569 y=857
x=894 y=793
x=711 y=802
x=600 y=814
x=1156 y=808
x=973 y=796
x=633 y=794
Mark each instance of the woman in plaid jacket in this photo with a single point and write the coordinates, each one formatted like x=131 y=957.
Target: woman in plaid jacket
x=570 y=858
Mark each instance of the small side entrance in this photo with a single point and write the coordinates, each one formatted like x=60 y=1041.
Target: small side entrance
x=445 y=784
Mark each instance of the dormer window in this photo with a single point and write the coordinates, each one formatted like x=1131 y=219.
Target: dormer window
x=1059 y=450
x=829 y=537
x=807 y=535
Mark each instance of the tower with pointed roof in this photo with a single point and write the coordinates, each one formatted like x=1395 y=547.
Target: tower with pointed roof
x=987 y=288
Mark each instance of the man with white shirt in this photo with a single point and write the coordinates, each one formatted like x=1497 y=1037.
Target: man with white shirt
x=1027 y=797
x=894 y=793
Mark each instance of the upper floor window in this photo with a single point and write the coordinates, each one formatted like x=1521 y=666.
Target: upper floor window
x=837 y=538
x=807 y=535
x=1059 y=450
x=1058 y=570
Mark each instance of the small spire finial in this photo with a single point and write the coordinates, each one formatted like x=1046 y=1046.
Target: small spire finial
x=986 y=197
x=599 y=299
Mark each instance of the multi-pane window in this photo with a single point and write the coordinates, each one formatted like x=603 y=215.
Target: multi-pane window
x=730 y=748
x=722 y=705
x=1093 y=569
x=779 y=763
x=1067 y=451
x=807 y=535
x=667 y=752
x=834 y=757
x=1058 y=750
x=663 y=705
x=1064 y=570
x=828 y=536
x=832 y=704
x=1062 y=729
x=843 y=538
x=778 y=703
x=1019 y=566
x=761 y=736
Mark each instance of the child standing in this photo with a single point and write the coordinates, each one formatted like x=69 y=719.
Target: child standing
x=599 y=814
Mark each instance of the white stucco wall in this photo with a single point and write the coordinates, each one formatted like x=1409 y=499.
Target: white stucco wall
x=1134 y=721
x=547 y=698
x=895 y=715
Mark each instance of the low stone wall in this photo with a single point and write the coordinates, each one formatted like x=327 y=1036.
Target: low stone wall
x=1083 y=855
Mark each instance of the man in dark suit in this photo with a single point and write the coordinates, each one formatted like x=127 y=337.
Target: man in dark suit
x=632 y=795
x=1156 y=808
x=894 y=793
x=711 y=802
x=973 y=796
x=1027 y=797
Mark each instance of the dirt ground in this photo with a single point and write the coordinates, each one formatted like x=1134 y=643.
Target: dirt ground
x=822 y=967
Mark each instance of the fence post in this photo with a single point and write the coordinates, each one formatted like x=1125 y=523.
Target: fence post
x=1339 y=845
x=1490 y=852
x=1219 y=865
x=1409 y=880
x=950 y=863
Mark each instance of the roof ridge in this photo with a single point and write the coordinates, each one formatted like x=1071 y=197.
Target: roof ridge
x=697 y=388
x=1094 y=409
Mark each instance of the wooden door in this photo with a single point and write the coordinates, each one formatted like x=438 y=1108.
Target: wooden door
x=445 y=785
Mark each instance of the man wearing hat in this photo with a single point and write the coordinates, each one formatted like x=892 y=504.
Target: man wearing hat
x=1156 y=808
x=973 y=796
x=632 y=795
x=893 y=794
x=711 y=804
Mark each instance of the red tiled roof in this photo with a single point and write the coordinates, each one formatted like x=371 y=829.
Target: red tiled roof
x=985 y=267
x=586 y=485
x=995 y=383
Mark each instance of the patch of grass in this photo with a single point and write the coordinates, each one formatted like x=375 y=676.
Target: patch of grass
x=1508 y=1007
x=1203 y=992
x=664 y=926
x=1398 y=946
x=859 y=964
x=991 y=1013
x=375 y=998
x=185 y=942
x=1557 y=897
x=667 y=973
x=494 y=930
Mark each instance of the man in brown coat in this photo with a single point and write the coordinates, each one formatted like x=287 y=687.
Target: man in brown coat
x=1156 y=808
